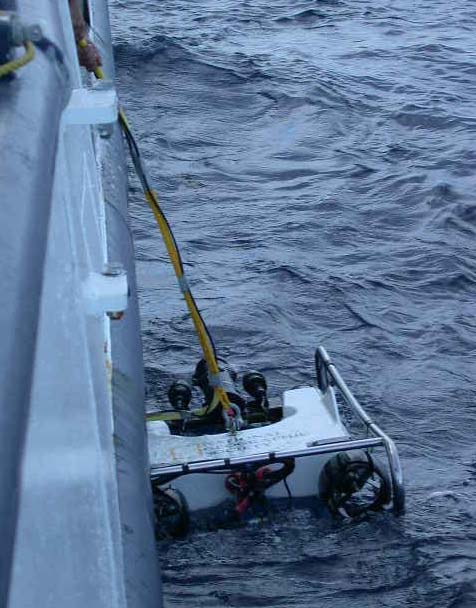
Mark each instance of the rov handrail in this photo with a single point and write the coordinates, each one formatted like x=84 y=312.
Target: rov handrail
x=329 y=376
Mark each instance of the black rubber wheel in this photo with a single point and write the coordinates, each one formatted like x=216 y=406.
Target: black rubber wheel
x=172 y=518
x=354 y=483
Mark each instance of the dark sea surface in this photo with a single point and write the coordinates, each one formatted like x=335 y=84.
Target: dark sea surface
x=317 y=162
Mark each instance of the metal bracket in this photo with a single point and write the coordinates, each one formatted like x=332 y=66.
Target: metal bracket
x=97 y=106
x=107 y=292
x=16 y=32
x=233 y=422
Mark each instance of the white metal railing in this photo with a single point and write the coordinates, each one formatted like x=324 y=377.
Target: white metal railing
x=327 y=374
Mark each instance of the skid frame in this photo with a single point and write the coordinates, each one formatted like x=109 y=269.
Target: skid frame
x=328 y=378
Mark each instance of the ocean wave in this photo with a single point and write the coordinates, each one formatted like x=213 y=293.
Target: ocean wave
x=316 y=159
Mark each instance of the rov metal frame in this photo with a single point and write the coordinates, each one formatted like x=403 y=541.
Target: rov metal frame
x=329 y=376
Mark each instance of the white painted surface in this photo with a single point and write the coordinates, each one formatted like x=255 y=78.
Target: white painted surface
x=308 y=418
x=104 y=293
x=91 y=107
x=69 y=540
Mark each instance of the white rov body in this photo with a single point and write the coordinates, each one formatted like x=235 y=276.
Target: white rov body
x=310 y=432
x=309 y=419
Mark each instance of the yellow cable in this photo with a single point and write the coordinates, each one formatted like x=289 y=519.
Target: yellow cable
x=15 y=64
x=98 y=72
x=151 y=198
x=219 y=393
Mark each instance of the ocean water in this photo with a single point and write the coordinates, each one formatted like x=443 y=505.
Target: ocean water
x=317 y=161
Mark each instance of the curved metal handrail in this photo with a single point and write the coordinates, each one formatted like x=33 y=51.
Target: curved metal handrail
x=328 y=375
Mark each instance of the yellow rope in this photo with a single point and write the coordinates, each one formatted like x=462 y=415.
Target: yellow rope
x=15 y=64
x=98 y=72
x=220 y=395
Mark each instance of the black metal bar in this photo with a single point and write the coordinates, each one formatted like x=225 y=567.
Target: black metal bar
x=203 y=466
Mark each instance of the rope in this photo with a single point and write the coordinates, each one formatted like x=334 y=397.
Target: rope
x=205 y=339
x=15 y=64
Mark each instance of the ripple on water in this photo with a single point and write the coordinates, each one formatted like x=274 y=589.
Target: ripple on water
x=317 y=162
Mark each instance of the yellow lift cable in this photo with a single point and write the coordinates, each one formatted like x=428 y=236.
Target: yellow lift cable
x=220 y=395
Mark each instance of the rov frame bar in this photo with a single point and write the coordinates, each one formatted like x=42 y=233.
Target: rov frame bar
x=204 y=466
x=329 y=376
